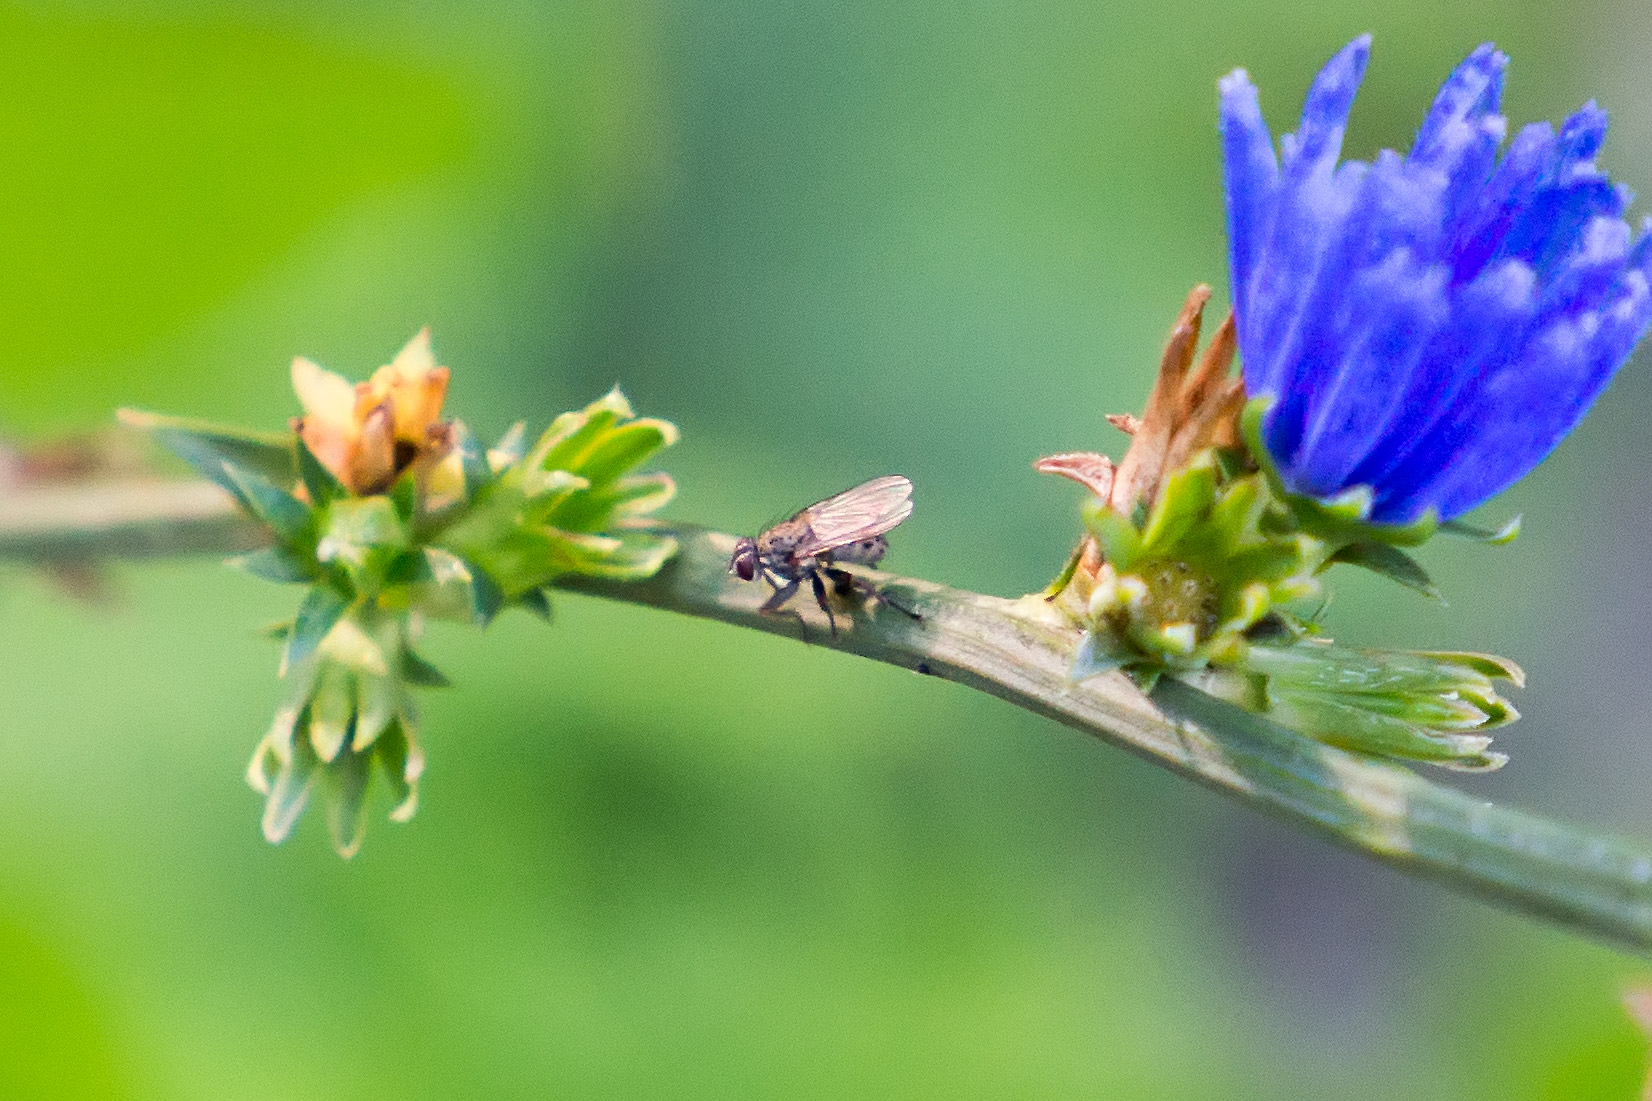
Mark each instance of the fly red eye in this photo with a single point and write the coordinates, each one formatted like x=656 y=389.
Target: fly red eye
x=744 y=563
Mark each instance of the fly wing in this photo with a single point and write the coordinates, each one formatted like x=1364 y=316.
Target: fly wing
x=869 y=509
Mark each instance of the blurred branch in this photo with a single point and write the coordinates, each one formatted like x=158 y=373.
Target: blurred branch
x=141 y=518
x=1019 y=651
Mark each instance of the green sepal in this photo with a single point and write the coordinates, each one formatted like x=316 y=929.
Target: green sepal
x=402 y=762
x=629 y=556
x=1390 y=562
x=213 y=448
x=1119 y=539
x=318 y=481
x=417 y=671
x=639 y=494
x=537 y=601
x=473 y=461
x=622 y=448
x=1490 y=666
x=332 y=710
x=279 y=564
x=457 y=588
x=285 y=515
x=404 y=496
x=636 y=495
x=365 y=534
x=1336 y=520
x=1065 y=577
x=1347 y=726
x=1439 y=707
x=1316 y=666
x=510 y=448
x=572 y=436
x=286 y=781
x=1144 y=677
x=486 y=597
x=546 y=491
x=378 y=701
x=346 y=794
x=1497 y=537
x=1095 y=654
x=323 y=607
x=1185 y=501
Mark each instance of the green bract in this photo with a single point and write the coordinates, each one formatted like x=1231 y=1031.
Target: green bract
x=511 y=522
x=1181 y=588
x=1199 y=585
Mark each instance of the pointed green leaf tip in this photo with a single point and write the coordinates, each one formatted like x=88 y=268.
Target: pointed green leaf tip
x=213 y=450
x=1338 y=520
x=462 y=536
x=1199 y=582
x=572 y=504
x=1439 y=708
x=1181 y=588
x=348 y=706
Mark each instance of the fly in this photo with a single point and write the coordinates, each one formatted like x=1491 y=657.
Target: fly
x=815 y=544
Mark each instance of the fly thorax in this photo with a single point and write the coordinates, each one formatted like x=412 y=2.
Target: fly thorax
x=777 y=544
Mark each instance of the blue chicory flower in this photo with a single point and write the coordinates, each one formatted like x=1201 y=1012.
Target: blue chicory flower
x=1428 y=326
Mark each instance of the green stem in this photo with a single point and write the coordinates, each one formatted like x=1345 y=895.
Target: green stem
x=1019 y=651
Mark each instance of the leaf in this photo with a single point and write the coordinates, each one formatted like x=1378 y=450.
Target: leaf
x=319 y=482
x=323 y=607
x=1390 y=562
x=1120 y=542
x=629 y=497
x=331 y=710
x=1094 y=656
x=456 y=587
x=278 y=564
x=285 y=515
x=347 y=802
x=473 y=460
x=402 y=762
x=416 y=670
x=1497 y=537
x=290 y=792
x=210 y=447
x=538 y=602
x=623 y=448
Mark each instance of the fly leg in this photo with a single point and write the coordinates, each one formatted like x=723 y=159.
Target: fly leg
x=781 y=594
x=825 y=603
x=846 y=584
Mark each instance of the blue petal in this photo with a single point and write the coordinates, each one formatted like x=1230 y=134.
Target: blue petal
x=1403 y=305
x=1473 y=90
x=1429 y=326
x=1528 y=409
x=1250 y=177
x=1325 y=112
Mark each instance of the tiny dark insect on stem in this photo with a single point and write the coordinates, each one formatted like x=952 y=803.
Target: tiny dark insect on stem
x=816 y=543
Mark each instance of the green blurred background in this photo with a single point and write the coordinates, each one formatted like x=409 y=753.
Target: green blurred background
x=658 y=857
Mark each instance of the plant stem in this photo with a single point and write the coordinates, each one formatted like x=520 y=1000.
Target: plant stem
x=1019 y=651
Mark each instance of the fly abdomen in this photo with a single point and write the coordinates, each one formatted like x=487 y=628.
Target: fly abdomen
x=863 y=552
